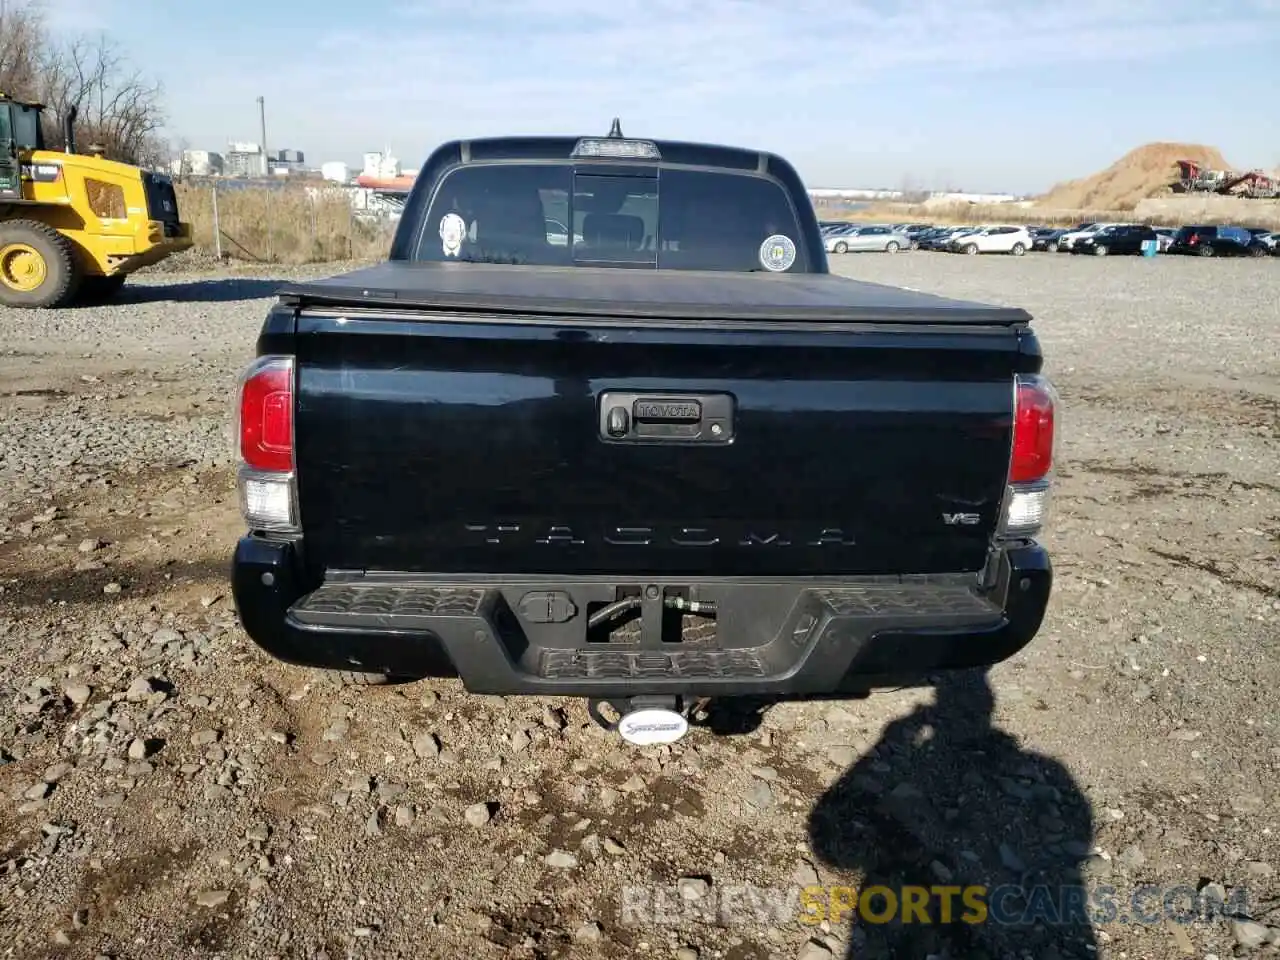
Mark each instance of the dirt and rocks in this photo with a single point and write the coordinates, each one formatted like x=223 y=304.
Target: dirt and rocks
x=1145 y=171
x=166 y=790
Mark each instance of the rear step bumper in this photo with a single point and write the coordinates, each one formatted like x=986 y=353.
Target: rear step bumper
x=500 y=635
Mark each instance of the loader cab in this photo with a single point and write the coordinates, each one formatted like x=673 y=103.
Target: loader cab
x=20 y=133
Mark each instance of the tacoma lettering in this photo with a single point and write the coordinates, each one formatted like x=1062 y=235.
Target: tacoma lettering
x=514 y=534
x=694 y=537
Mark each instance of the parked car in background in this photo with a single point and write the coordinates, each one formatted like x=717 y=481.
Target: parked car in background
x=942 y=239
x=1126 y=238
x=1206 y=240
x=1191 y=239
x=866 y=239
x=999 y=238
x=1261 y=243
x=1045 y=238
x=832 y=236
x=915 y=231
x=1068 y=239
x=925 y=239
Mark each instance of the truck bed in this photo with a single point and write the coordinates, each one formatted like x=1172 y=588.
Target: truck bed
x=810 y=298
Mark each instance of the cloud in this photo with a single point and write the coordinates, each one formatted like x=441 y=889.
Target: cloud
x=779 y=74
x=636 y=50
x=80 y=16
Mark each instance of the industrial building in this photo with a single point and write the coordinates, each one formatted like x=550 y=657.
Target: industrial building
x=200 y=163
x=336 y=171
x=286 y=162
x=245 y=160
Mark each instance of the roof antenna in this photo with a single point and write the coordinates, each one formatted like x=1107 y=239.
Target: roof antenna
x=615 y=132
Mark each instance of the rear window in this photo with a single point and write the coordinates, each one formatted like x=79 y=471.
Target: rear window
x=550 y=215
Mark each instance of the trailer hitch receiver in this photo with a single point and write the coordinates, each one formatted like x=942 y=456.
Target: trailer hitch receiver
x=643 y=721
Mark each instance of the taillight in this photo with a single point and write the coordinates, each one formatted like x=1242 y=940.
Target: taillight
x=1032 y=431
x=264 y=439
x=266 y=415
x=1031 y=459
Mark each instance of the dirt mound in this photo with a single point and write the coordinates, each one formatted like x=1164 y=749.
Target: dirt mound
x=1141 y=173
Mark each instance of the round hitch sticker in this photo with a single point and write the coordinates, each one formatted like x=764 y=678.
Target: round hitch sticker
x=452 y=230
x=777 y=253
x=645 y=728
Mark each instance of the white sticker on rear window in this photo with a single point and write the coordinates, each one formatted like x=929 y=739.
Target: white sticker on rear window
x=777 y=253
x=452 y=229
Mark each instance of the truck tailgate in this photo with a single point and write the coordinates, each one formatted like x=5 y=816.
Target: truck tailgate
x=456 y=444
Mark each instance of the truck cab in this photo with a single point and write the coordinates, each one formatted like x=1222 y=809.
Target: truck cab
x=21 y=134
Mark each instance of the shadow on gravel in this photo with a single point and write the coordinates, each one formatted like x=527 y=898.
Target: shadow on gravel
x=944 y=800
x=226 y=290
x=739 y=716
x=91 y=586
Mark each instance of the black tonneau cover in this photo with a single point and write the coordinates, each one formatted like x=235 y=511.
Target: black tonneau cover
x=645 y=294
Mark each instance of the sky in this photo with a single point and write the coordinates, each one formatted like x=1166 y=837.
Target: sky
x=980 y=95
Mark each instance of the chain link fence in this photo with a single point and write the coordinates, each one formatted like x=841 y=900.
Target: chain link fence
x=288 y=223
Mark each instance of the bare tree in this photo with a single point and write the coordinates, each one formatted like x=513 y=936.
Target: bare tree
x=154 y=154
x=22 y=44
x=116 y=106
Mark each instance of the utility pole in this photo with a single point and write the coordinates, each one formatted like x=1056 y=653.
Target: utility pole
x=262 y=119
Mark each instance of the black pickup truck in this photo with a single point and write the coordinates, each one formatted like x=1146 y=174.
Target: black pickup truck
x=605 y=425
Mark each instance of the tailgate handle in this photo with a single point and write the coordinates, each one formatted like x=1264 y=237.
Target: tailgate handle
x=627 y=417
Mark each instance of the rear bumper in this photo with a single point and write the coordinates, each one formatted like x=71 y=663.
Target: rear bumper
x=773 y=636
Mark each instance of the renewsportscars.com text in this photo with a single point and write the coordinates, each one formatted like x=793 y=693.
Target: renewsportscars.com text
x=1067 y=905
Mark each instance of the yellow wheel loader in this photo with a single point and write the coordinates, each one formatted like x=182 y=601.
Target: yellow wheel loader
x=73 y=226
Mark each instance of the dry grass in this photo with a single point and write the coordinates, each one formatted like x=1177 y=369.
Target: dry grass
x=966 y=213
x=293 y=224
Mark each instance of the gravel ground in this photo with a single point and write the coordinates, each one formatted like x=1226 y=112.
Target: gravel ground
x=166 y=790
